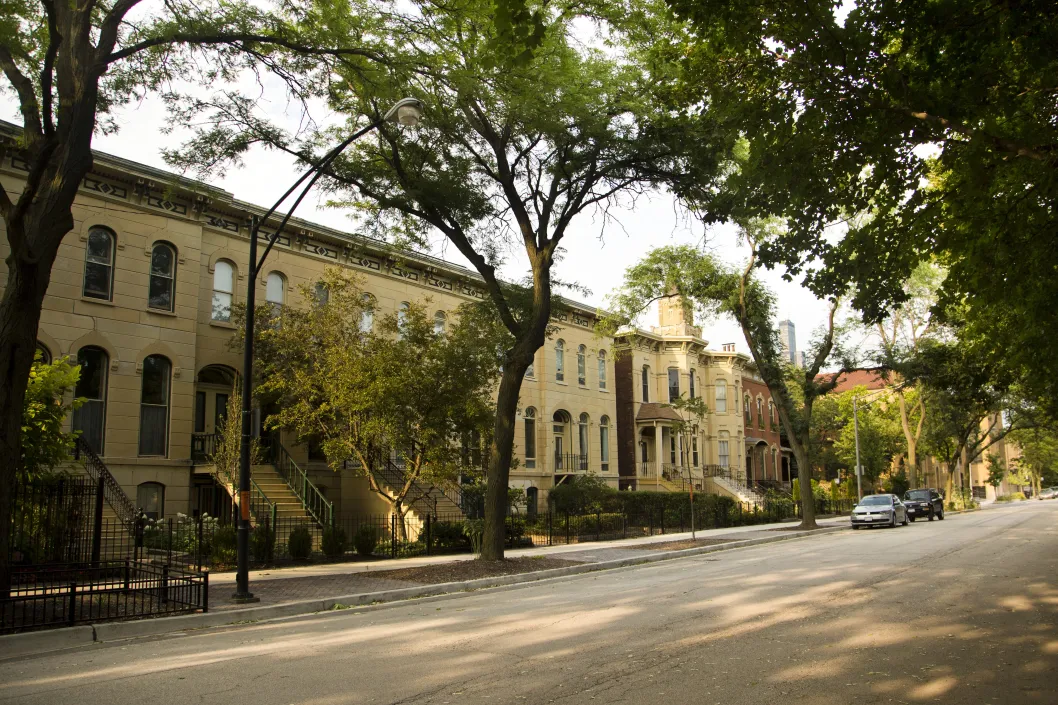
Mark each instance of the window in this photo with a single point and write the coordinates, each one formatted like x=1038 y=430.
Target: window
x=644 y=454
x=747 y=406
x=771 y=414
x=604 y=443
x=45 y=354
x=530 y=371
x=321 y=294
x=163 y=277
x=275 y=289
x=582 y=429
x=220 y=411
x=721 y=396
x=530 y=438
x=672 y=449
x=200 y=412
x=154 y=406
x=674 y=384
x=724 y=458
x=367 y=316
x=223 y=286
x=402 y=317
x=90 y=418
x=694 y=449
x=690 y=390
x=646 y=384
x=150 y=499
x=582 y=366
x=560 y=360
x=602 y=369
x=760 y=413
x=440 y=323
x=775 y=462
x=99 y=264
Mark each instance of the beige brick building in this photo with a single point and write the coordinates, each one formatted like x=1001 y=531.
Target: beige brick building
x=141 y=294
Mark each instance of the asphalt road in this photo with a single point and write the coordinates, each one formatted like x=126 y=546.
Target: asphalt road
x=959 y=611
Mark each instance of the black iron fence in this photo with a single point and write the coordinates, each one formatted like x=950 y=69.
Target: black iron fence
x=75 y=593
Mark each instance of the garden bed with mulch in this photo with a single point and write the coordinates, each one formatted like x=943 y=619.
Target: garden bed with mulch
x=471 y=570
x=676 y=545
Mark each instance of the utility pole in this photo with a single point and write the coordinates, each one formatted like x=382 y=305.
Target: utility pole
x=856 y=431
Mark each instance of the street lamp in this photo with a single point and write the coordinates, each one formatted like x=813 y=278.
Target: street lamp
x=406 y=112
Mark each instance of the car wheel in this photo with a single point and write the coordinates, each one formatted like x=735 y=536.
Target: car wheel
x=855 y=528
x=911 y=519
x=941 y=516
x=931 y=515
x=906 y=521
x=892 y=522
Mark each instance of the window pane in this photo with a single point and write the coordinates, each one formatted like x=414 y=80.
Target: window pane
x=100 y=246
x=674 y=385
x=153 y=422
x=200 y=412
x=220 y=412
x=223 y=276
x=530 y=438
x=604 y=443
x=274 y=288
x=90 y=420
x=97 y=280
x=160 y=293
x=221 y=307
x=162 y=260
x=155 y=380
x=92 y=383
x=150 y=499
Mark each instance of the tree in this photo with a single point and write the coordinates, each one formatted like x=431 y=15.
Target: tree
x=997 y=472
x=1039 y=455
x=395 y=401
x=44 y=443
x=938 y=118
x=700 y=278
x=70 y=65
x=509 y=155
x=228 y=448
x=879 y=434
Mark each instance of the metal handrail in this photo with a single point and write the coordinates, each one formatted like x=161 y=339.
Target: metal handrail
x=260 y=505
x=312 y=499
x=115 y=496
x=570 y=462
x=203 y=446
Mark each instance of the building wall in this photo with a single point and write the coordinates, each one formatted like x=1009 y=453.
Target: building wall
x=767 y=457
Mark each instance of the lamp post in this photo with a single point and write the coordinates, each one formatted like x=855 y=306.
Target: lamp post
x=856 y=431
x=405 y=112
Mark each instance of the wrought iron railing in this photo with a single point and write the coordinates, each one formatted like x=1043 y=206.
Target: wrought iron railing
x=203 y=446
x=312 y=499
x=570 y=462
x=260 y=505
x=112 y=492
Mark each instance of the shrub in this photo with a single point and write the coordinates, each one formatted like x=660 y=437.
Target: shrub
x=583 y=493
x=1012 y=497
x=333 y=542
x=223 y=545
x=364 y=540
x=474 y=529
x=299 y=545
x=448 y=534
x=263 y=543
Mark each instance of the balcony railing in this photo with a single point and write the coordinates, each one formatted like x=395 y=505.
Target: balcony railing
x=203 y=446
x=570 y=462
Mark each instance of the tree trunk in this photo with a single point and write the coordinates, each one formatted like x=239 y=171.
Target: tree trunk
x=500 y=455
x=912 y=444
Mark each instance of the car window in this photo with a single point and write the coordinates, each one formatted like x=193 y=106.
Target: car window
x=917 y=495
x=875 y=500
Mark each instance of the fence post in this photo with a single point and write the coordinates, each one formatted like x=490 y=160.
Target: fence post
x=73 y=603
x=427 y=534
x=205 y=592
x=169 y=546
x=567 y=528
x=393 y=535
x=598 y=526
x=650 y=520
x=198 y=546
x=662 y=520
x=549 y=527
x=163 y=589
x=128 y=574
x=97 y=523
x=681 y=518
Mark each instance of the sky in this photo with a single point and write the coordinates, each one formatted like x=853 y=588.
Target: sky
x=596 y=252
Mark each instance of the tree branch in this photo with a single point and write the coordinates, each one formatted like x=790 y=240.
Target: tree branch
x=46 y=71
x=27 y=99
x=208 y=40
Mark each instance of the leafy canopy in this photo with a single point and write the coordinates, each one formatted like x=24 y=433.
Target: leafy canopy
x=44 y=443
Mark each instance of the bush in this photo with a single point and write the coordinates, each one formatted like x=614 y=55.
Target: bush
x=1012 y=497
x=223 y=545
x=364 y=540
x=299 y=545
x=449 y=534
x=333 y=542
x=263 y=543
x=583 y=493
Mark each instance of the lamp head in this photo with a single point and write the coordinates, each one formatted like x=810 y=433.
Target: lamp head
x=406 y=112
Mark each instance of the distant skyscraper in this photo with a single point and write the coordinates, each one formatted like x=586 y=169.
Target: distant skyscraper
x=788 y=340
x=800 y=359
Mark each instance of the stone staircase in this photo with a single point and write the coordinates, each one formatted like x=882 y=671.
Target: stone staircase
x=288 y=505
x=725 y=486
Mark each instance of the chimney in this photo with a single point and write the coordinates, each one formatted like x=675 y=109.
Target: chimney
x=729 y=347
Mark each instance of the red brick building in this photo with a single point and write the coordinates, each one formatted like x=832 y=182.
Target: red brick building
x=766 y=463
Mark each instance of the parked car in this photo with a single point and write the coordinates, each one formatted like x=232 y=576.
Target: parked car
x=879 y=510
x=1049 y=493
x=925 y=502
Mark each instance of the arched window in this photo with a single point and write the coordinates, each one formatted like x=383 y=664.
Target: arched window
x=694 y=448
x=747 y=407
x=45 y=354
x=530 y=437
x=402 y=317
x=646 y=384
x=223 y=287
x=582 y=438
x=760 y=412
x=162 y=286
x=99 y=265
x=440 y=323
x=771 y=414
x=724 y=450
x=582 y=366
x=560 y=360
x=674 y=384
x=604 y=443
x=90 y=418
x=775 y=462
x=321 y=294
x=721 y=396
x=531 y=370
x=154 y=405
x=560 y=422
x=602 y=369
x=275 y=289
x=150 y=499
x=367 y=315
x=690 y=389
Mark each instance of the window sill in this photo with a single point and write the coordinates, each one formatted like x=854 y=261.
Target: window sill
x=564 y=384
x=222 y=324
x=161 y=312
x=101 y=302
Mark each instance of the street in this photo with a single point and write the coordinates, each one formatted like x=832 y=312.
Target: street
x=959 y=611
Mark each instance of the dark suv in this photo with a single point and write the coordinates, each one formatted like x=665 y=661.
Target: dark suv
x=926 y=502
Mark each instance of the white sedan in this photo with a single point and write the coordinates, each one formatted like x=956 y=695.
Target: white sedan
x=879 y=510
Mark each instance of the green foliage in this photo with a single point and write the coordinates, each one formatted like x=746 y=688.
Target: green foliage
x=449 y=535
x=365 y=540
x=581 y=493
x=224 y=545
x=44 y=444
x=1012 y=497
x=997 y=470
x=263 y=542
x=474 y=529
x=333 y=542
x=879 y=431
x=299 y=545
x=228 y=448
x=1039 y=455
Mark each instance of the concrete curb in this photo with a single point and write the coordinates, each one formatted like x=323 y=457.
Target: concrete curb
x=32 y=643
